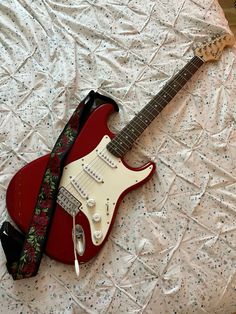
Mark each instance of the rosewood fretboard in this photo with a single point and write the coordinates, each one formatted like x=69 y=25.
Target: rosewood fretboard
x=124 y=140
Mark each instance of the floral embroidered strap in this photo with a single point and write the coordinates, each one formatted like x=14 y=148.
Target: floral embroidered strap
x=27 y=262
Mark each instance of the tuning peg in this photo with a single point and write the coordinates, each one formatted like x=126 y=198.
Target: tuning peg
x=213 y=49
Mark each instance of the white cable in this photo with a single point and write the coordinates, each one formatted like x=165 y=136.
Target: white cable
x=77 y=268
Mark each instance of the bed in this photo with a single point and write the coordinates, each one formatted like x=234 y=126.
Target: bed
x=172 y=246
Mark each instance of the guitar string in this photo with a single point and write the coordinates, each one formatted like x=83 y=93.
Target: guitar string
x=167 y=89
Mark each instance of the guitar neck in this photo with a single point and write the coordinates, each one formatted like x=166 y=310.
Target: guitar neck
x=124 y=140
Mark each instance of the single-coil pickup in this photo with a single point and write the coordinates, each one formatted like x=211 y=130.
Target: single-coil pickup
x=79 y=188
x=104 y=156
x=96 y=176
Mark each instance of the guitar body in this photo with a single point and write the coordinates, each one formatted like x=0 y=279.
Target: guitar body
x=93 y=180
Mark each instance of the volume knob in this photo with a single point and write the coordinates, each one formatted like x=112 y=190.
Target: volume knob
x=91 y=202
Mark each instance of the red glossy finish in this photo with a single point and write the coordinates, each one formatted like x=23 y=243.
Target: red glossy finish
x=23 y=191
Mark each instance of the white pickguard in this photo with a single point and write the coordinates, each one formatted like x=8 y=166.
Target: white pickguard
x=97 y=181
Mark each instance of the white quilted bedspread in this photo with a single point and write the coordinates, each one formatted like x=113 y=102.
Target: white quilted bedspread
x=173 y=245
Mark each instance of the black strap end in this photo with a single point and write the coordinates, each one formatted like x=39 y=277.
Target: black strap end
x=12 y=242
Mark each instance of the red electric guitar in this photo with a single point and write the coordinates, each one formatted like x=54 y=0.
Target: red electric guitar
x=95 y=177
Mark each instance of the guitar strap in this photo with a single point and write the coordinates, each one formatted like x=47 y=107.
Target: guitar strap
x=24 y=253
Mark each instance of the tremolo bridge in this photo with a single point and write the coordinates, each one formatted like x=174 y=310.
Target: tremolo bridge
x=93 y=184
x=68 y=202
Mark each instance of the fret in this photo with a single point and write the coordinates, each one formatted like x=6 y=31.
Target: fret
x=149 y=113
x=115 y=149
x=124 y=140
x=139 y=119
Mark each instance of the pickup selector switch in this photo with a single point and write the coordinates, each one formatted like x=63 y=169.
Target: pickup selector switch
x=96 y=217
x=91 y=203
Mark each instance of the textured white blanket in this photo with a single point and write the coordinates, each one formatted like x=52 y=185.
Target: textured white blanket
x=172 y=248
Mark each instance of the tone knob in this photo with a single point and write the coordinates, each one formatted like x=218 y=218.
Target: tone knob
x=98 y=234
x=96 y=217
x=91 y=202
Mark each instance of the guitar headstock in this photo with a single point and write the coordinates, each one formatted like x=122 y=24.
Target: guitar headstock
x=213 y=50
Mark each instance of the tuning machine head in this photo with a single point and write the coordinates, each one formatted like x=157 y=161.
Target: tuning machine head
x=212 y=50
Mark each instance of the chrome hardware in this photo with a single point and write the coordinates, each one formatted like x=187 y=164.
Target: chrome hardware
x=80 y=240
x=68 y=202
